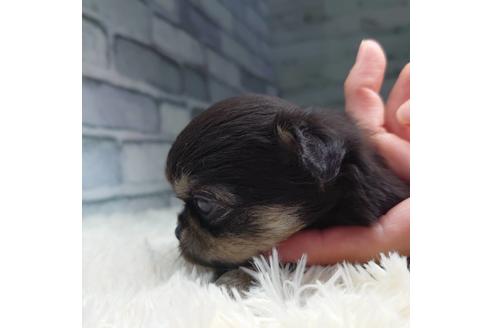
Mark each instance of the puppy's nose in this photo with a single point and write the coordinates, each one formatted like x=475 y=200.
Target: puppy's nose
x=178 y=230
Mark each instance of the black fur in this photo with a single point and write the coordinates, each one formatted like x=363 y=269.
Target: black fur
x=267 y=151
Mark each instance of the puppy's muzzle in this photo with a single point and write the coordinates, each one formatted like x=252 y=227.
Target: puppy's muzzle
x=178 y=230
x=179 y=226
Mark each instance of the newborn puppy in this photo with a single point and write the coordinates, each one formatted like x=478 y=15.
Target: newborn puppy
x=252 y=170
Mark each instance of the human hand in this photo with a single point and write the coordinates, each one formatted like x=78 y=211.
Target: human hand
x=389 y=128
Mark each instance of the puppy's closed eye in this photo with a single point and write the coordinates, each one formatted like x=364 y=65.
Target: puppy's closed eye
x=205 y=206
x=208 y=209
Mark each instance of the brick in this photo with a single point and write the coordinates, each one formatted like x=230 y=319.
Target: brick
x=195 y=84
x=383 y=19
x=365 y=23
x=337 y=27
x=381 y=4
x=330 y=63
x=242 y=55
x=298 y=77
x=282 y=35
x=304 y=15
x=264 y=8
x=127 y=204
x=257 y=23
x=301 y=83
x=176 y=42
x=166 y=8
x=218 y=13
x=254 y=5
x=344 y=49
x=265 y=49
x=144 y=162
x=294 y=28
x=127 y=17
x=340 y=8
x=142 y=63
x=299 y=51
x=322 y=96
x=94 y=44
x=222 y=68
x=199 y=25
x=219 y=91
x=304 y=71
x=235 y=50
x=246 y=36
x=337 y=72
x=197 y=3
x=282 y=7
x=397 y=47
x=394 y=67
x=237 y=8
x=110 y=107
x=264 y=70
x=324 y=50
x=344 y=26
x=271 y=90
x=253 y=84
x=100 y=163
x=173 y=119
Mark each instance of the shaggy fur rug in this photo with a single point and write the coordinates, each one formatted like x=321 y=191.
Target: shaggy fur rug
x=133 y=277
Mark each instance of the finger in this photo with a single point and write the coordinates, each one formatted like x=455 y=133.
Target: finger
x=331 y=245
x=353 y=244
x=403 y=114
x=396 y=228
x=363 y=84
x=395 y=151
x=400 y=93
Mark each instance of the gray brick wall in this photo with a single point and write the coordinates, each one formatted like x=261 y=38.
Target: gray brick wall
x=315 y=42
x=149 y=66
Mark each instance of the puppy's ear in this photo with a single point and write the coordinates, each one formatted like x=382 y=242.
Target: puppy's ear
x=317 y=149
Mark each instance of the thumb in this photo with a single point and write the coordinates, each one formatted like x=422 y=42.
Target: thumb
x=363 y=84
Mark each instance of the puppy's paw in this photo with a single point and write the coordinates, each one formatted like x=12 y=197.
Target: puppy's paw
x=235 y=279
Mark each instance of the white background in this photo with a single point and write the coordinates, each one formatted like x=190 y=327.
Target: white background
x=40 y=164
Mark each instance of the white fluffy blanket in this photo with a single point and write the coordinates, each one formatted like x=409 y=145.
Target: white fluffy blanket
x=133 y=277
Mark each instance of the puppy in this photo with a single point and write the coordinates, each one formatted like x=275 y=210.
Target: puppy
x=252 y=170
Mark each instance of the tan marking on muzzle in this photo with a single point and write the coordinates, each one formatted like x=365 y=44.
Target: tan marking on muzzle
x=277 y=224
x=279 y=221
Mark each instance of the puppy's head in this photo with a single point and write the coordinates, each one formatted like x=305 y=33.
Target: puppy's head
x=250 y=170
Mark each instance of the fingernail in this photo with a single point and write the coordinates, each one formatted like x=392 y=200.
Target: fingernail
x=361 y=50
x=364 y=45
x=403 y=114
